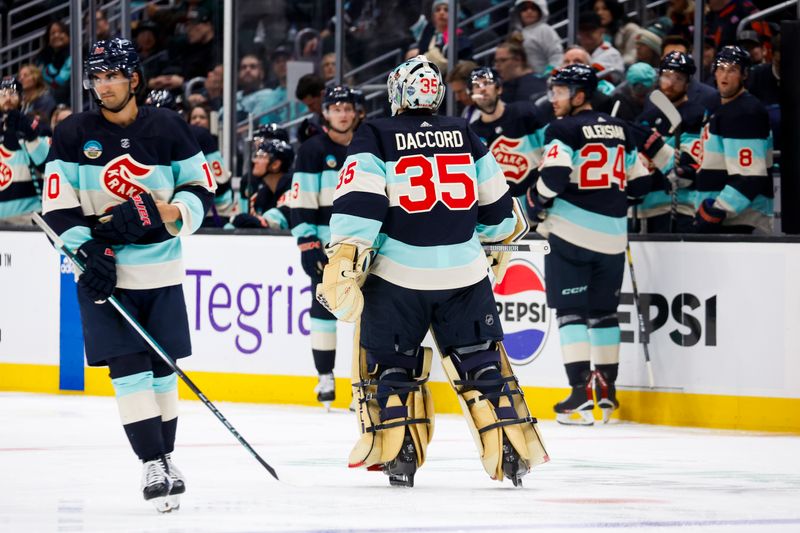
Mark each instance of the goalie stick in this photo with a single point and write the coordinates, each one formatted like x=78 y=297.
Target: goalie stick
x=39 y=221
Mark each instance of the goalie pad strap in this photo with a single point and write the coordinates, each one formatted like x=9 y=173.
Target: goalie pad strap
x=493 y=396
x=481 y=382
x=468 y=364
x=526 y=420
x=409 y=422
x=390 y=413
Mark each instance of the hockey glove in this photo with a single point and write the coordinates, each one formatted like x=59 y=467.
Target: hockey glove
x=99 y=270
x=243 y=220
x=129 y=220
x=652 y=145
x=340 y=291
x=536 y=205
x=312 y=257
x=708 y=217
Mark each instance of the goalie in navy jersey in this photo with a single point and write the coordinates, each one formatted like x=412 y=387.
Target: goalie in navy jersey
x=513 y=132
x=316 y=168
x=416 y=198
x=590 y=167
x=734 y=182
x=122 y=183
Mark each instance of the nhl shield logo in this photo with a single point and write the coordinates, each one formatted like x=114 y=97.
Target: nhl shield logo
x=6 y=173
x=120 y=177
x=515 y=165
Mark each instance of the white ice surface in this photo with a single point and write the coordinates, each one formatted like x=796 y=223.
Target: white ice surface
x=65 y=465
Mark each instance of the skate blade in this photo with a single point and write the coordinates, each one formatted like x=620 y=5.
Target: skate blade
x=401 y=480
x=517 y=481
x=327 y=406
x=174 y=502
x=607 y=412
x=161 y=504
x=585 y=418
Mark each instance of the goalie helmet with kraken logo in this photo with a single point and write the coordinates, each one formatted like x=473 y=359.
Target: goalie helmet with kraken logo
x=415 y=84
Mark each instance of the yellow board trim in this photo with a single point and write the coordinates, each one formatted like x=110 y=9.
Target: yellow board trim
x=649 y=407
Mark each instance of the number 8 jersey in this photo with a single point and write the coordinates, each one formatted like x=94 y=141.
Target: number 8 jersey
x=425 y=192
x=590 y=167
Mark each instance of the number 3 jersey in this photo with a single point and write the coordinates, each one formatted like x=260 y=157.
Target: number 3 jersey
x=94 y=165
x=425 y=192
x=590 y=167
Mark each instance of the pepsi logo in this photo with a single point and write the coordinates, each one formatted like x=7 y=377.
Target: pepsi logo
x=522 y=306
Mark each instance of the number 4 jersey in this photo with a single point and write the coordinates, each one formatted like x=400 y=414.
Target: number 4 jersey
x=590 y=167
x=425 y=192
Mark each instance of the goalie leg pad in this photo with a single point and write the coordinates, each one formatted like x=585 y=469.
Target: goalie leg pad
x=495 y=410
x=393 y=400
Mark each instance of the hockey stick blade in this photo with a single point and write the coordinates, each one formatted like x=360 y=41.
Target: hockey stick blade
x=663 y=104
x=59 y=243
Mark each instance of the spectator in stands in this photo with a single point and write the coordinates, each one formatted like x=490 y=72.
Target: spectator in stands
x=190 y=54
x=213 y=88
x=327 y=67
x=433 y=40
x=154 y=60
x=709 y=52
x=253 y=98
x=722 y=20
x=675 y=43
x=604 y=57
x=577 y=55
x=751 y=41
x=619 y=29
x=541 y=42
x=61 y=112
x=101 y=25
x=764 y=83
x=54 y=60
x=310 y=90
x=278 y=60
x=648 y=43
x=457 y=83
x=36 y=98
x=199 y=115
x=640 y=80
x=681 y=13
x=519 y=81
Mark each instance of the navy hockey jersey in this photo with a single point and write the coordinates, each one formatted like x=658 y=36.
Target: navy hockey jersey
x=315 y=174
x=94 y=165
x=658 y=200
x=735 y=163
x=223 y=196
x=274 y=205
x=516 y=140
x=590 y=167
x=425 y=192
x=18 y=191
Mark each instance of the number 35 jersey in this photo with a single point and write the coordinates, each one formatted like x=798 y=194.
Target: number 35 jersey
x=590 y=167
x=425 y=192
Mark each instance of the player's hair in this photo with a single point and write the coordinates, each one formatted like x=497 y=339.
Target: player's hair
x=309 y=85
x=673 y=40
x=461 y=71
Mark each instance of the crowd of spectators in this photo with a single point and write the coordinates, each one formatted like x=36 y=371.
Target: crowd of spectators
x=181 y=51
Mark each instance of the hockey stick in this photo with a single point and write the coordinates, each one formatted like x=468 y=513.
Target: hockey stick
x=39 y=221
x=542 y=247
x=663 y=104
x=644 y=338
x=669 y=110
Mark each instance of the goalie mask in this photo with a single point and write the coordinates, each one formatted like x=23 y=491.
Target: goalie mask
x=415 y=84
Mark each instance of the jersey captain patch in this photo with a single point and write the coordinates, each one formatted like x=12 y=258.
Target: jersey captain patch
x=120 y=177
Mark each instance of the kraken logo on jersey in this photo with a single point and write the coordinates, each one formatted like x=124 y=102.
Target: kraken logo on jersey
x=6 y=172
x=120 y=177
x=515 y=165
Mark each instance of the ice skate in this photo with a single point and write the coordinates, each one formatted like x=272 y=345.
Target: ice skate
x=576 y=409
x=606 y=394
x=156 y=484
x=402 y=468
x=178 y=484
x=326 y=390
x=514 y=467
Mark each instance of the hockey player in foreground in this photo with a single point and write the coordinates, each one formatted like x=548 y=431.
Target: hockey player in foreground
x=419 y=193
x=122 y=184
x=316 y=167
x=590 y=166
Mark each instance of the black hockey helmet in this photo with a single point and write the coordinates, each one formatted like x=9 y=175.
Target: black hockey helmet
x=678 y=62
x=113 y=54
x=577 y=76
x=277 y=150
x=271 y=131
x=338 y=94
x=484 y=73
x=11 y=83
x=165 y=99
x=360 y=99
x=732 y=54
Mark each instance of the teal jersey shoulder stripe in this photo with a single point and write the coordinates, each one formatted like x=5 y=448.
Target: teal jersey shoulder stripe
x=309 y=182
x=588 y=219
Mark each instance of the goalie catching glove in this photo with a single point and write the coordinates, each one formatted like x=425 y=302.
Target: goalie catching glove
x=340 y=291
